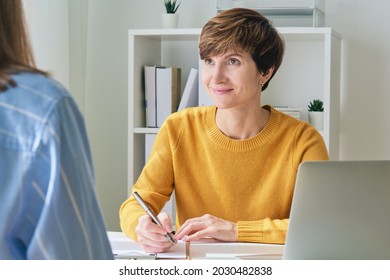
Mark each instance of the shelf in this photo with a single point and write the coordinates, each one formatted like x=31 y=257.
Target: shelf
x=287 y=5
x=178 y=33
x=145 y=130
x=182 y=34
x=286 y=11
x=308 y=31
x=282 y=12
x=167 y=34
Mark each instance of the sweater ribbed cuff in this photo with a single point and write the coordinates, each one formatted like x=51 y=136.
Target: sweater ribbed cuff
x=250 y=231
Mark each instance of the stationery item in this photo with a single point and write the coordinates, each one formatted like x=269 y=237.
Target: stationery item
x=125 y=248
x=189 y=97
x=133 y=255
x=150 y=212
x=205 y=248
x=168 y=87
x=291 y=111
x=135 y=252
x=150 y=95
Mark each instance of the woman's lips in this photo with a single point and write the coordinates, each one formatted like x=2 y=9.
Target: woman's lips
x=221 y=91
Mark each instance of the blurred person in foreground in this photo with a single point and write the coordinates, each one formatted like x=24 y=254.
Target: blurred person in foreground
x=48 y=205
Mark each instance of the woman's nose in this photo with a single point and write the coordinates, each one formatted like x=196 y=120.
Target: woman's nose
x=218 y=73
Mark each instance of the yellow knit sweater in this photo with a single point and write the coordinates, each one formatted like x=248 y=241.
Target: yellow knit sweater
x=250 y=181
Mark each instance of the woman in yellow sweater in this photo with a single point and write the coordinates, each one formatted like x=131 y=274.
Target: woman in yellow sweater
x=233 y=165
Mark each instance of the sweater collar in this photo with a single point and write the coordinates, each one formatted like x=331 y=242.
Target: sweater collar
x=242 y=145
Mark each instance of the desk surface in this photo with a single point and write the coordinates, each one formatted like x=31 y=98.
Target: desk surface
x=204 y=249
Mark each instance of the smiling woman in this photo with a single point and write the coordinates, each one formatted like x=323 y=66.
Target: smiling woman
x=232 y=165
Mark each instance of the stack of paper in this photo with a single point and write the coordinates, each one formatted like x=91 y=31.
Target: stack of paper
x=124 y=248
x=162 y=93
x=189 y=97
x=168 y=88
x=291 y=111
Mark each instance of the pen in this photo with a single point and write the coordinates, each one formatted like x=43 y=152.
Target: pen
x=151 y=214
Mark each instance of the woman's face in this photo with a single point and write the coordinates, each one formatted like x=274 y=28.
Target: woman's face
x=232 y=80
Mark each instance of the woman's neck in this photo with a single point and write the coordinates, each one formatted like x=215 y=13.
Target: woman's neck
x=241 y=124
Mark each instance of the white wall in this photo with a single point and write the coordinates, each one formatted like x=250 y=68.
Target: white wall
x=192 y=13
x=78 y=28
x=98 y=76
x=106 y=101
x=365 y=100
x=48 y=27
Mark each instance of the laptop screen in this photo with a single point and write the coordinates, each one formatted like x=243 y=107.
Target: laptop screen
x=340 y=210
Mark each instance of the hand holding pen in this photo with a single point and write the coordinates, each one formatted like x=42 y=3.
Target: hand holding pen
x=149 y=239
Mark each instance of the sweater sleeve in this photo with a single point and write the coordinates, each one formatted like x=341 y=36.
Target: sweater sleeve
x=263 y=231
x=309 y=145
x=155 y=184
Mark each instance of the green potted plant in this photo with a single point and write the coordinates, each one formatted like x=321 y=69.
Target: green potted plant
x=316 y=113
x=171 y=6
x=171 y=18
x=316 y=106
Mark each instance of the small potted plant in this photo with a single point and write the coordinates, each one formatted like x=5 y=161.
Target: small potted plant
x=171 y=18
x=316 y=114
x=171 y=6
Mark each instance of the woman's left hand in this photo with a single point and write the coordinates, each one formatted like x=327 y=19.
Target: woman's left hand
x=207 y=226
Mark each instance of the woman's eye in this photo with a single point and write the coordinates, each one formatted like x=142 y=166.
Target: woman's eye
x=208 y=61
x=234 y=61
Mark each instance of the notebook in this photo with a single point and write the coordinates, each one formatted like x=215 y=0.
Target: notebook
x=340 y=210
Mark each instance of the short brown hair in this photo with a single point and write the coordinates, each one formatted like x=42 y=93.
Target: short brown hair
x=241 y=29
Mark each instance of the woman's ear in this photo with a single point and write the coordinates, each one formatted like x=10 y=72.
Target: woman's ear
x=266 y=76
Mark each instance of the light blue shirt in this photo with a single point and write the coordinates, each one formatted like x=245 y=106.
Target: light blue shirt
x=48 y=205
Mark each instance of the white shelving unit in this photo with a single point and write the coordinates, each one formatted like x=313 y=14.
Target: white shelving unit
x=310 y=70
x=291 y=12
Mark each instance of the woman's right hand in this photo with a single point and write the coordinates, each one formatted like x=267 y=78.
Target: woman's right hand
x=151 y=236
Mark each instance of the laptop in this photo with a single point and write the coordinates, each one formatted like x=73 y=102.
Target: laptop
x=340 y=210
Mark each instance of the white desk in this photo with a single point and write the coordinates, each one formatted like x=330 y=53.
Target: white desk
x=205 y=249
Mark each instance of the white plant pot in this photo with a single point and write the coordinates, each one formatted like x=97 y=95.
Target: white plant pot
x=170 y=20
x=316 y=119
